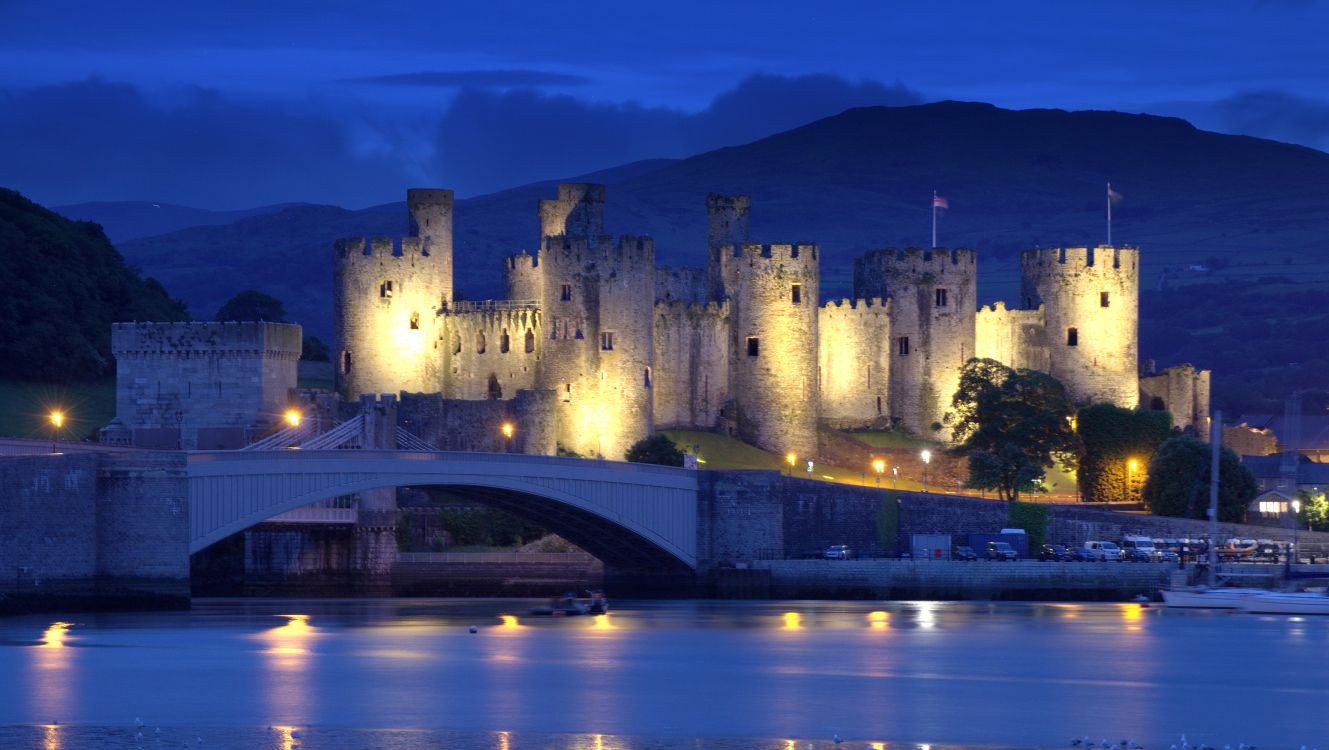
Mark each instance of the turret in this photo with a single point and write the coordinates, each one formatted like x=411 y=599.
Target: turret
x=932 y=321
x=578 y=211
x=773 y=291
x=431 y=221
x=1090 y=298
x=726 y=224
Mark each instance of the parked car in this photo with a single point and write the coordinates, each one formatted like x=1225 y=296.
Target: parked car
x=1138 y=549
x=1134 y=554
x=1102 y=551
x=837 y=552
x=1001 y=551
x=965 y=553
x=1055 y=553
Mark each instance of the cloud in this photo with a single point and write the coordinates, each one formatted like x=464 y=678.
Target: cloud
x=476 y=78
x=490 y=140
x=97 y=140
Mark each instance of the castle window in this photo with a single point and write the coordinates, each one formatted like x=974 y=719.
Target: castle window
x=456 y=343
x=385 y=290
x=606 y=341
x=648 y=377
x=798 y=294
x=1072 y=337
x=753 y=346
x=504 y=342
x=415 y=321
x=567 y=391
x=879 y=406
x=1103 y=300
x=346 y=363
x=495 y=390
x=940 y=295
x=566 y=293
x=1157 y=404
x=480 y=342
x=530 y=341
x=902 y=345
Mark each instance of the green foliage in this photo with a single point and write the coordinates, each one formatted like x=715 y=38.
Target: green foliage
x=1112 y=438
x=251 y=305
x=487 y=527
x=1031 y=517
x=1011 y=425
x=1178 y=483
x=888 y=519
x=1314 y=513
x=64 y=285
x=656 y=449
x=314 y=349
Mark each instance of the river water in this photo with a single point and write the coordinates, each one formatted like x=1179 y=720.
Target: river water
x=404 y=674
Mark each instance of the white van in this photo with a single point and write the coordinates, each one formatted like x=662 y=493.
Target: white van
x=1102 y=551
x=1139 y=548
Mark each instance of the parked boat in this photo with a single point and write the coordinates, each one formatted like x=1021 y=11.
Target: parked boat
x=1302 y=603
x=1206 y=598
x=569 y=605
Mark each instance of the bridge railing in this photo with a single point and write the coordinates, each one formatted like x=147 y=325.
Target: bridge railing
x=497 y=459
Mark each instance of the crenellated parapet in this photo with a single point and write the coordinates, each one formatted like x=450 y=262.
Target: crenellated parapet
x=213 y=340
x=523 y=277
x=492 y=348
x=854 y=362
x=1014 y=337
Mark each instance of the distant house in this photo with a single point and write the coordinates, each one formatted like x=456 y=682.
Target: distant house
x=1273 y=508
x=1274 y=474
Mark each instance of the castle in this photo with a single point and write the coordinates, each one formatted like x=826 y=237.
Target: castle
x=596 y=347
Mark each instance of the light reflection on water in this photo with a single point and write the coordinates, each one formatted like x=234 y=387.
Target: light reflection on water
x=666 y=674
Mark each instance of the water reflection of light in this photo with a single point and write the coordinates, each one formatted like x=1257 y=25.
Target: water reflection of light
x=877 y=745
x=790 y=745
x=509 y=622
x=51 y=739
x=505 y=738
x=601 y=622
x=1132 y=613
x=291 y=638
x=289 y=656
x=55 y=635
x=286 y=735
x=879 y=620
x=793 y=621
x=927 y=618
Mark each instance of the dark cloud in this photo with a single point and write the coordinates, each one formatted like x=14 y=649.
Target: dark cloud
x=1277 y=115
x=96 y=140
x=490 y=140
x=477 y=78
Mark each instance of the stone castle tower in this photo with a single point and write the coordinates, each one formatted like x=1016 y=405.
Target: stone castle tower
x=1090 y=299
x=387 y=296
x=595 y=347
x=931 y=335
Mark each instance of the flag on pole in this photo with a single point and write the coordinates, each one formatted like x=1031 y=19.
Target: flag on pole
x=940 y=202
x=937 y=202
x=1113 y=195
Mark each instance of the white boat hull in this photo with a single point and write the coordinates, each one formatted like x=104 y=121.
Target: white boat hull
x=1209 y=598
x=1287 y=604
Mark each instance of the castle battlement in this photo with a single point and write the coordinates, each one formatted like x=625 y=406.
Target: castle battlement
x=791 y=252
x=919 y=260
x=187 y=340
x=350 y=249
x=844 y=303
x=517 y=317
x=522 y=261
x=1082 y=257
x=571 y=250
x=999 y=308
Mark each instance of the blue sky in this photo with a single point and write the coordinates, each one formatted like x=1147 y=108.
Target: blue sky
x=229 y=105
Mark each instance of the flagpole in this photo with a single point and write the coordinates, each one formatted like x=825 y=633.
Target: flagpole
x=934 y=219
x=1109 y=201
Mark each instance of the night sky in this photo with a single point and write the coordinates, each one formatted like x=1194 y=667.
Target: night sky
x=238 y=104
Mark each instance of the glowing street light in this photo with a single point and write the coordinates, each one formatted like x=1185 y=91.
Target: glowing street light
x=293 y=418
x=507 y=436
x=791 y=459
x=878 y=466
x=57 y=421
x=926 y=455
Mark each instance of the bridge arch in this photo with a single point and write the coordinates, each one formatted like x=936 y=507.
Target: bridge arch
x=626 y=514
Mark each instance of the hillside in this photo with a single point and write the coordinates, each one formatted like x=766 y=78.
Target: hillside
x=1203 y=207
x=129 y=220
x=64 y=285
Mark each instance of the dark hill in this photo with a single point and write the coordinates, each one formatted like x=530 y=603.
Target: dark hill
x=1203 y=207
x=64 y=285
x=129 y=220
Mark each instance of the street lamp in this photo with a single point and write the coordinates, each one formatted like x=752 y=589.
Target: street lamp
x=878 y=466
x=926 y=455
x=293 y=418
x=507 y=436
x=895 y=477
x=791 y=459
x=57 y=421
x=1296 y=527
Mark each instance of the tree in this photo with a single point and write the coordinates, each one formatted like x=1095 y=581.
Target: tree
x=1178 y=482
x=253 y=305
x=1118 y=444
x=656 y=449
x=314 y=350
x=1012 y=425
x=1314 y=513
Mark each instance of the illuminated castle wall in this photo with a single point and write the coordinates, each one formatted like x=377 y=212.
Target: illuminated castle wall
x=612 y=347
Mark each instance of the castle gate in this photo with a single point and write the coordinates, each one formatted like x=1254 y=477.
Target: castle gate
x=626 y=514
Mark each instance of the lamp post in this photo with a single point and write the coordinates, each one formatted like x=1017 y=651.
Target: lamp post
x=57 y=421
x=791 y=459
x=1296 y=527
x=507 y=437
x=1132 y=466
x=926 y=455
x=878 y=466
x=895 y=477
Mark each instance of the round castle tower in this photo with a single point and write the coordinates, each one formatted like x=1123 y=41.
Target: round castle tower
x=773 y=291
x=1090 y=298
x=726 y=224
x=386 y=300
x=932 y=326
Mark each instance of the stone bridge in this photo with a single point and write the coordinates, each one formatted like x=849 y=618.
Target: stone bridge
x=630 y=515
